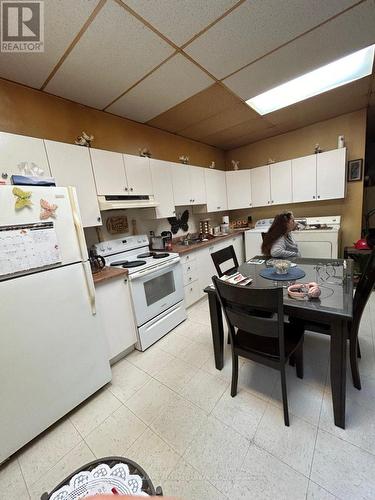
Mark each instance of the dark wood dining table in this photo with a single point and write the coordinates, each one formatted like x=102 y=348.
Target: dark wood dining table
x=334 y=309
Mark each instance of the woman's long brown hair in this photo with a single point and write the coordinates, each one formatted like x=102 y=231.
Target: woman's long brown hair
x=279 y=228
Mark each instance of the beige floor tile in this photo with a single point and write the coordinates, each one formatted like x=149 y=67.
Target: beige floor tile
x=184 y=472
x=94 y=411
x=359 y=423
x=316 y=492
x=150 y=401
x=199 y=315
x=200 y=333
x=195 y=489
x=176 y=374
x=304 y=400
x=204 y=390
x=116 y=434
x=12 y=483
x=154 y=455
x=257 y=379
x=150 y=361
x=294 y=445
x=179 y=423
x=196 y=354
x=217 y=450
x=45 y=451
x=127 y=379
x=76 y=458
x=343 y=469
x=174 y=344
x=266 y=478
x=242 y=413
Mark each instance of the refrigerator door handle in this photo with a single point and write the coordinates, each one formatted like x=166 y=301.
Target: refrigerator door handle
x=90 y=286
x=77 y=223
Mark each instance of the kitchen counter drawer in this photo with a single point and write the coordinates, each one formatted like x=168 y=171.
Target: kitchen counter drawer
x=193 y=293
x=190 y=272
x=187 y=258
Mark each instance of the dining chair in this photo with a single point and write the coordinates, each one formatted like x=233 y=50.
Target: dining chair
x=257 y=331
x=225 y=255
x=361 y=297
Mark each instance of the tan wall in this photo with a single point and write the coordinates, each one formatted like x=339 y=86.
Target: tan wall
x=301 y=142
x=31 y=112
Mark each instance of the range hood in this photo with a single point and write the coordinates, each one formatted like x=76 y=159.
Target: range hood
x=113 y=202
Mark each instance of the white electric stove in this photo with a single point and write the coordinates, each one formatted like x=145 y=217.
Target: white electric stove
x=156 y=285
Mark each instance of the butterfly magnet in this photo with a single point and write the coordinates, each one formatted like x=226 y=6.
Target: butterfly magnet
x=23 y=198
x=179 y=222
x=47 y=210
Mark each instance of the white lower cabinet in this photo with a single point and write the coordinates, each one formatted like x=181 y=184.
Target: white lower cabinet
x=198 y=267
x=113 y=305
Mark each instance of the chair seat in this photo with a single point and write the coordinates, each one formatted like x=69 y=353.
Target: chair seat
x=268 y=346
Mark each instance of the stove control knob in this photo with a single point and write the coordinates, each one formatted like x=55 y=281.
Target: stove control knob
x=102 y=249
x=139 y=241
x=109 y=248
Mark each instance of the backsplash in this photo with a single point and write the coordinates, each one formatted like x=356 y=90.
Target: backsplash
x=145 y=225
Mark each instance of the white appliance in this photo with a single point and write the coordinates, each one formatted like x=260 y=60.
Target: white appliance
x=318 y=237
x=52 y=351
x=156 y=285
x=113 y=202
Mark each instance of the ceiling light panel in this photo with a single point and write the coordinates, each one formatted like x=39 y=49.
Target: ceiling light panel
x=176 y=80
x=328 y=77
x=343 y=35
x=255 y=28
x=180 y=20
x=114 y=53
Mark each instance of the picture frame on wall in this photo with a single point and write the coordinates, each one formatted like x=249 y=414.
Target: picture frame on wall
x=355 y=168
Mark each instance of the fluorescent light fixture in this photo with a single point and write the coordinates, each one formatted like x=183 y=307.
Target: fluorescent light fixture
x=328 y=77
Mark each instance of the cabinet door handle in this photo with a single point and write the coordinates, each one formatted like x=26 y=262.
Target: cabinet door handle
x=188 y=268
x=4 y=175
x=187 y=257
x=268 y=202
x=125 y=188
x=318 y=196
x=313 y=197
x=272 y=201
x=98 y=219
x=131 y=189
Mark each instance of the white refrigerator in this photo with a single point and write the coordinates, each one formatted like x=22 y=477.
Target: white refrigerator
x=53 y=353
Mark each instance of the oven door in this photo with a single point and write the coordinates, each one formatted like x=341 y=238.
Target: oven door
x=156 y=290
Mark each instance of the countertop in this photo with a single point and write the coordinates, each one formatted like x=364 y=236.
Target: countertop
x=182 y=250
x=108 y=273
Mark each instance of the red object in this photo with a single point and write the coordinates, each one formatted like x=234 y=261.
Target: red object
x=361 y=244
x=114 y=491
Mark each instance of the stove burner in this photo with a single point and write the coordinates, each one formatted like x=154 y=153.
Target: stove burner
x=145 y=255
x=129 y=263
x=161 y=255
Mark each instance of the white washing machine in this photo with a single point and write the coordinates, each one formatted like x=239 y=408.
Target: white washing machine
x=319 y=238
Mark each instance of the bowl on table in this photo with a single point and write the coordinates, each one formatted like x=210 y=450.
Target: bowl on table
x=281 y=266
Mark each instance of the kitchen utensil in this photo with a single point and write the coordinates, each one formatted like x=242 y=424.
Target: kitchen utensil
x=97 y=263
x=157 y=243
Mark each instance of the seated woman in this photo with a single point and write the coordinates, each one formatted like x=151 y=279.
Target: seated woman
x=278 y=242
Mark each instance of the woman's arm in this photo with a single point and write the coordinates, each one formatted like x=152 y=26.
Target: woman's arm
x=279 y=250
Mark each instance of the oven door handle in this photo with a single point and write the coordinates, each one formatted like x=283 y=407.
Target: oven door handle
x=145 y=272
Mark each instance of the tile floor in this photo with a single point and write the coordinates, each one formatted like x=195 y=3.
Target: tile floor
x=170 y=410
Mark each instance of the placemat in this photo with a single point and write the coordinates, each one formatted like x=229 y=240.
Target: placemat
x=294 y=273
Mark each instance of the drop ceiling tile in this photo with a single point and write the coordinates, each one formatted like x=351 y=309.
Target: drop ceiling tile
x=231 y=134
x=255 y=28
x=176 y=80
x=254 y=136
x=63 y=21
x=336 y=102
x=180 y=20
x=239 y=113
x=114 y=53
x=346 y=33
x=200 y=106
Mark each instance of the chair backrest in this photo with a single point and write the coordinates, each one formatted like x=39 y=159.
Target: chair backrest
x=263 y=235
x=363 y=292
x=225 y=255
x=258 y=311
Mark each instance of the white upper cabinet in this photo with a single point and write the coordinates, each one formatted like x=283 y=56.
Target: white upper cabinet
x=281 y=182
x=331 y=174
x=109 y=172
x=71 y=166
x=181 y=184
x=197 y=185
x=16 y=149
x=138 y=175
x=238 y=189
x=304 y=178
x=260 y=186
x=161 y=173
x=216 y=190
